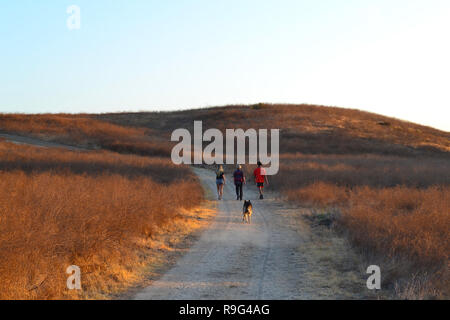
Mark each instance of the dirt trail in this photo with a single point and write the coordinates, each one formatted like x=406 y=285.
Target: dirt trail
x=36 y=142
x=232 y=260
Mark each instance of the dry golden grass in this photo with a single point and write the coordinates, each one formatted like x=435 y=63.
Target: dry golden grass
x=395 y=221
x=30 y=159
x=298 y=170
x=402 y=221
x=405 y=228
x=59 y=208
x=83 y=131
x=64 y=126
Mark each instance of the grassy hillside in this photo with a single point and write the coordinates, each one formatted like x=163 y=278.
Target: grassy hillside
x=305 y=128
x=86 y=132
x=382 y=182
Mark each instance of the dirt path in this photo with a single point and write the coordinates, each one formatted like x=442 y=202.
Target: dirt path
x=264 y=260
x=36 y=142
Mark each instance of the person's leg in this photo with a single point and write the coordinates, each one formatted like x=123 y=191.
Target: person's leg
x=241 y=193
x=221 y=191
x=218 y=190
x=261 y=190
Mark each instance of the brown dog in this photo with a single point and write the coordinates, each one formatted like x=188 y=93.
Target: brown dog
x=247 y=211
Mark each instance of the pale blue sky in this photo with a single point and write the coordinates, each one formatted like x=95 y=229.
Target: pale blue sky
x=389 y=57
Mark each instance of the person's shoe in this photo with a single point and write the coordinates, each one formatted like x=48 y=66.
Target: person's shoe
x=261 y=196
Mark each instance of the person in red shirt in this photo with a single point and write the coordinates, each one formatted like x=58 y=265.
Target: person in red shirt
x=260 y=178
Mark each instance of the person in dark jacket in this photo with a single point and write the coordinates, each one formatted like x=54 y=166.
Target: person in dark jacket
x=239 y=181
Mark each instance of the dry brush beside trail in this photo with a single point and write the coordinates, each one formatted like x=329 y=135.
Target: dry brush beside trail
x=395 y=210
x=91 y=209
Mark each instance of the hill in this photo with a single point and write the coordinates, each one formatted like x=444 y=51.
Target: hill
x=305 y=128
x=383 y=183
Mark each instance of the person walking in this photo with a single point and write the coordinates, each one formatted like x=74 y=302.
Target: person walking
x=220 y=181
x=260 y=177
x=239 y=181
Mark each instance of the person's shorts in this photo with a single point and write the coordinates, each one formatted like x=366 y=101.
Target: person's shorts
x=219 y=181
x=260 y=184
